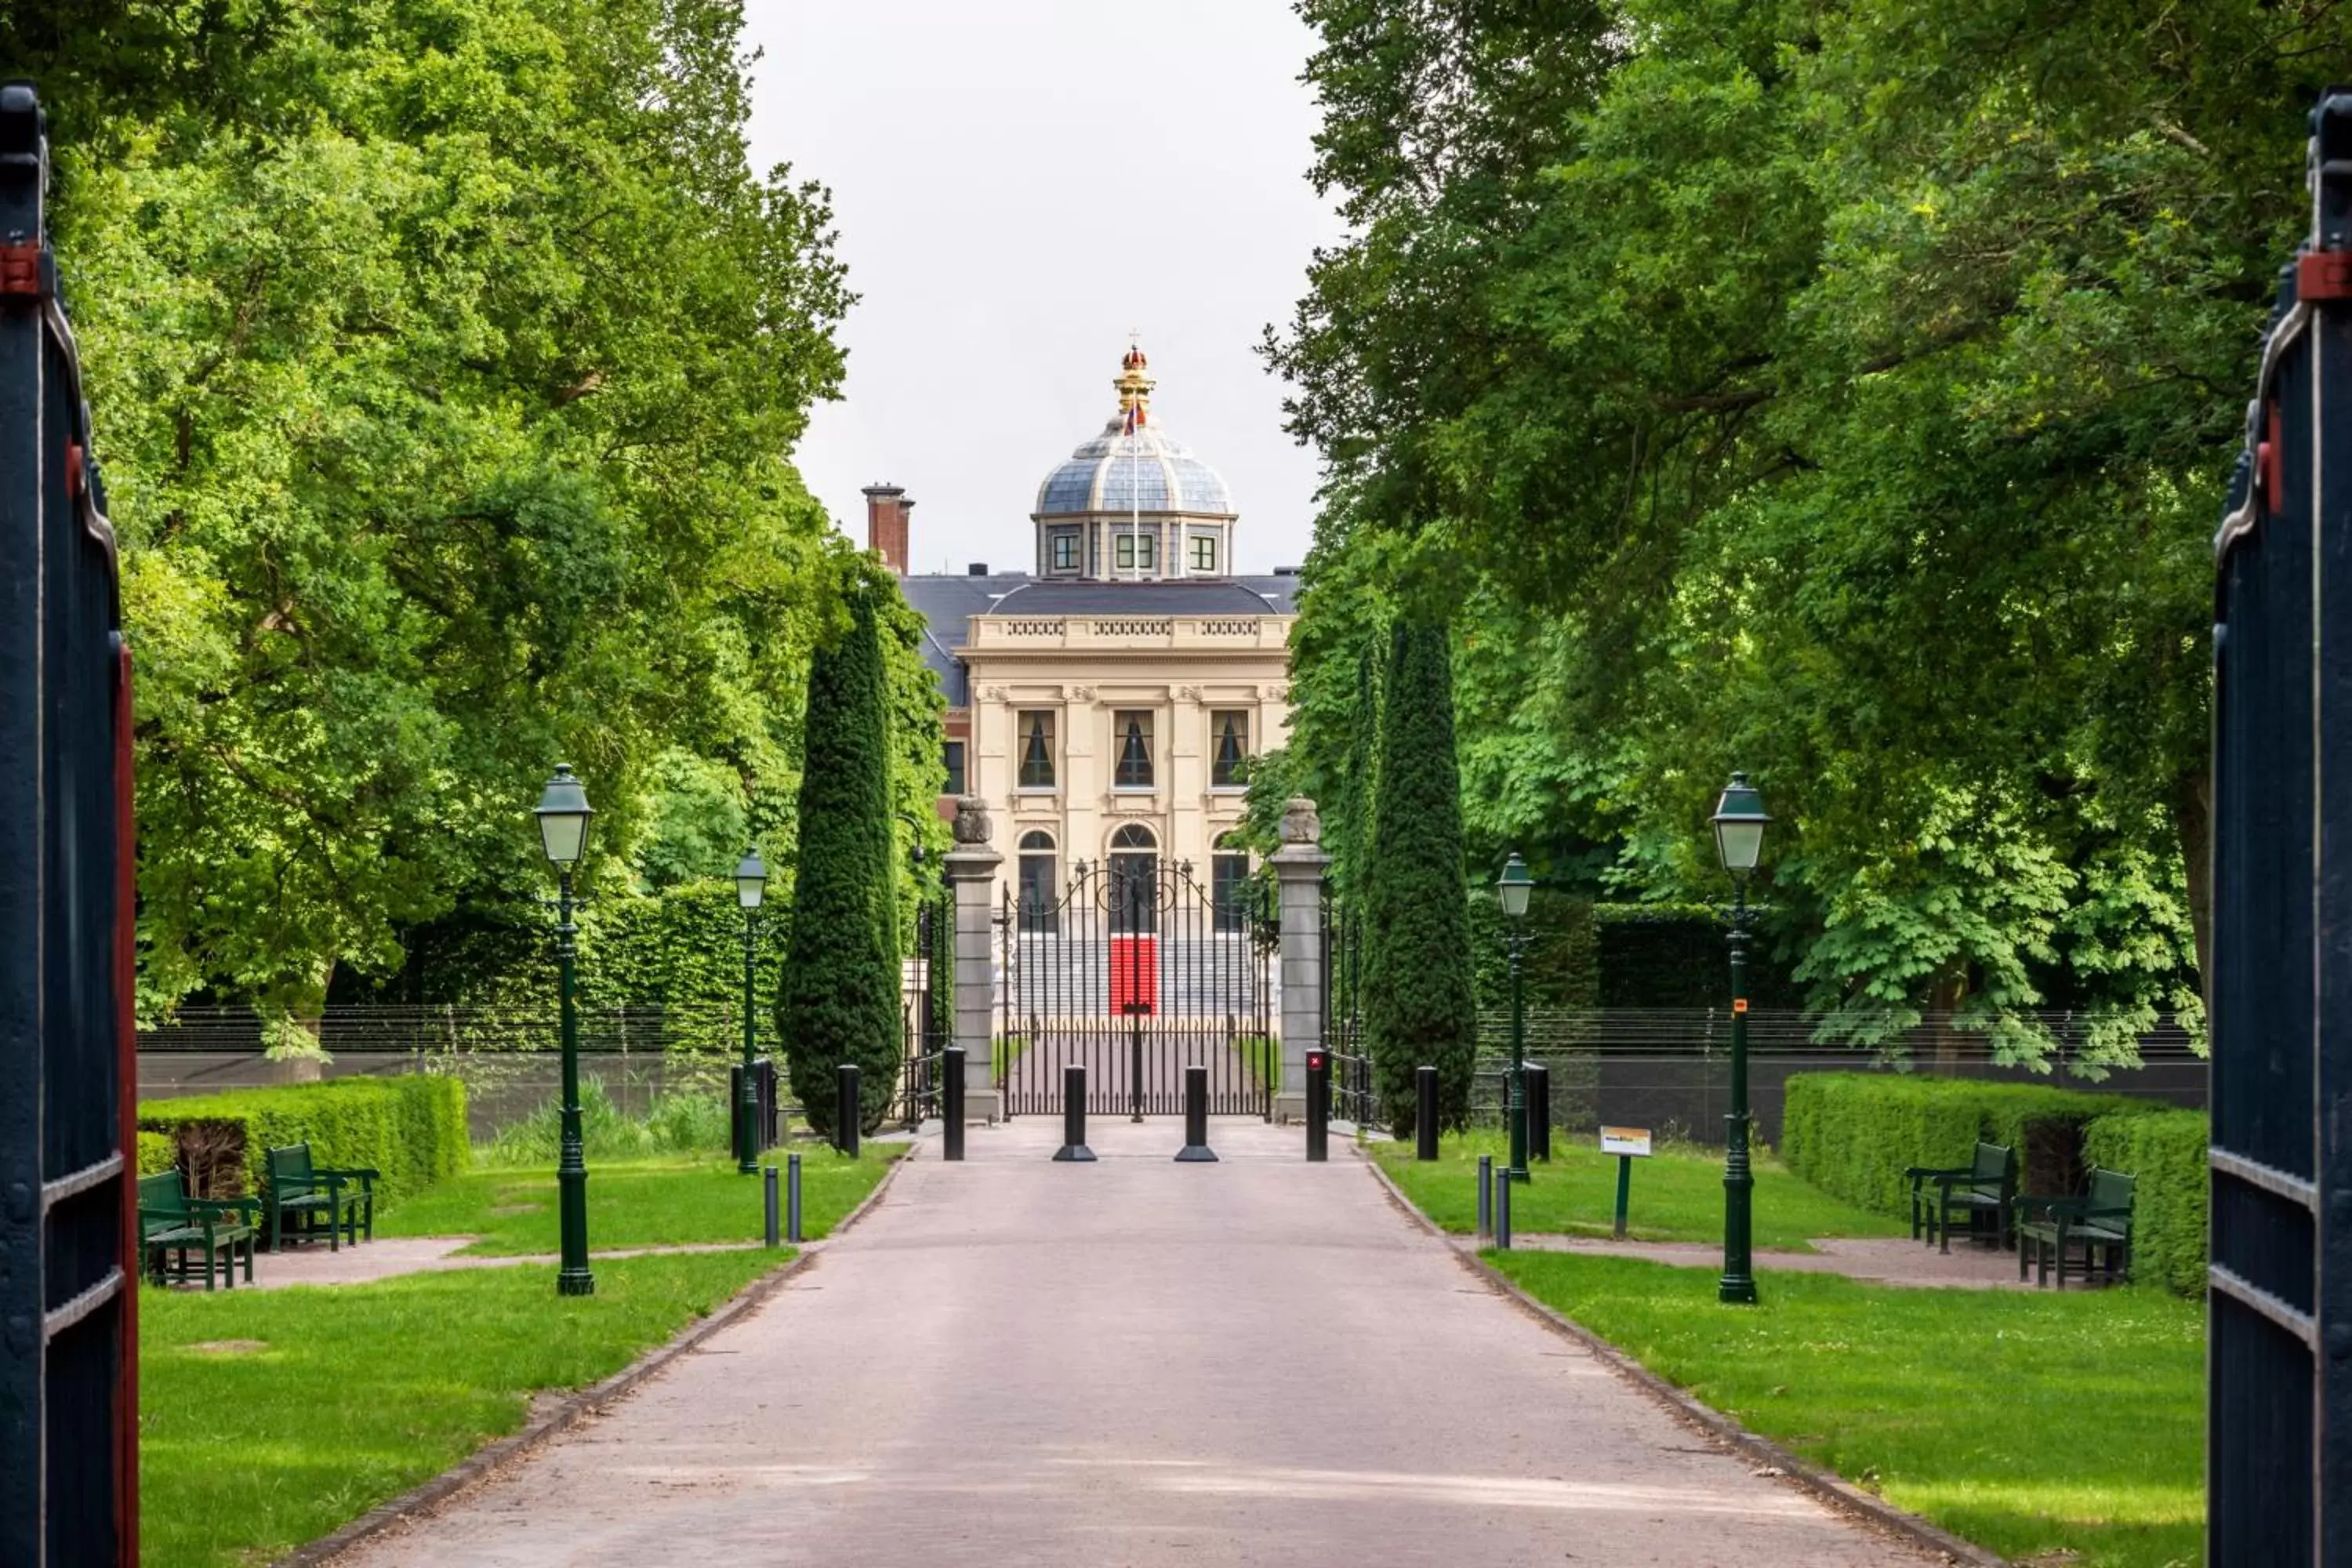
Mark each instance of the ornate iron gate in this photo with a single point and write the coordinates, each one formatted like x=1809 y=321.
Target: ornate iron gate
x=1138 y=973
x=1353 y=1098
x=68 y=1247
x=2279 y=1460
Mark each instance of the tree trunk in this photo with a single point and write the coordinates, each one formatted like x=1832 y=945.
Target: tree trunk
x=2192 y=817
x=1945 y=995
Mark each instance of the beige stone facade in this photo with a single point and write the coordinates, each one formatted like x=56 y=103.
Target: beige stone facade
x=1116 y=691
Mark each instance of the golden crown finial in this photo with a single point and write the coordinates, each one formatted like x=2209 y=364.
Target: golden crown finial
x=1134 y=382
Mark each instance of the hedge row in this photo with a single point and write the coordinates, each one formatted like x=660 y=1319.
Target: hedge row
x=2166 y=1150
x=157 y=1154
x=411 y=1128
x=1854 y=1134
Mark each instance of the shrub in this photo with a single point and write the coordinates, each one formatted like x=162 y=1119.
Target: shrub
x=411 y=1128
x=157 y=1154
x=684 y=1121
x=2165 y=1151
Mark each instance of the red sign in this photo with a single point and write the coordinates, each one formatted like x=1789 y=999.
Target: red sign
x=1315 y=1061
x=1134 y=974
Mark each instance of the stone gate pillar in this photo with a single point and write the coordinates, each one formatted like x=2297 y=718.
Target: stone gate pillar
x=972 y=873
x=1298 y=876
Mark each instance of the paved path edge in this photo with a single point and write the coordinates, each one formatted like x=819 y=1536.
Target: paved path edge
x=1825 y=1484
x=482 y=1462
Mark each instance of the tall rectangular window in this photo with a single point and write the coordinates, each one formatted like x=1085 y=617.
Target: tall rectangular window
x=1135 y=551
x=1066 y=549
x=1229 y=889
x=1032 y=740
x=1130 y=735
x=1228 y=747
x=955 y=767
x=1205 y=552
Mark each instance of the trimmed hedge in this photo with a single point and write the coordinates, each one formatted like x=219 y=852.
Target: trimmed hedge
x=2166 y=1151
x=411 y=1128
x=157 y=1154
x=1854 y=1134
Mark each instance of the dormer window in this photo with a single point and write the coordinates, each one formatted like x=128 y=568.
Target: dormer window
x=1135 y=551
x=1205 y=552
x=1064 y=548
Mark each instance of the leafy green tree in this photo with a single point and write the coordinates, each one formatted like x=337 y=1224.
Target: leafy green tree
x=444 y=359
x=1419 y=1009
x=1846 y=393
x=838 y=999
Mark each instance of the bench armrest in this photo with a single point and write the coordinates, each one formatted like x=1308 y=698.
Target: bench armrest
x=174 y=1216
x=2068 y=1204
x=1920 y=1173
x=364 y=1174
x=225 y=1205
x=2103 y=1214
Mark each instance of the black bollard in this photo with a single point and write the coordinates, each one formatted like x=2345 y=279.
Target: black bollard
x=793 y=1199
x=1502 y=1214
x=1319 y=1108
x=846 y=1112
x=1424 y=1118
x=774 y=1236
x=1074 y=1115
x=951 y=1103
x=1538 y=1112
x=1196 y=1149
x=1485 y=1194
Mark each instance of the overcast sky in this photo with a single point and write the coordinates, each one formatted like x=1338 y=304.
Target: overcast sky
x=1018 y=184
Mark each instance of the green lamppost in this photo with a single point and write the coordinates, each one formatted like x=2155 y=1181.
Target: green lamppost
x=563 y=812
x=1512 y=889
x=1739 y=822
x=751 y=886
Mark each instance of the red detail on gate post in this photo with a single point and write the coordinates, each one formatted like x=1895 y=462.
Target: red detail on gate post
x=20 y=268
x=1134 y=974
x=2323 y=275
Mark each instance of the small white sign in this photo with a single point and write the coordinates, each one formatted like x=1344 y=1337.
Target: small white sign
x=1625 y=1141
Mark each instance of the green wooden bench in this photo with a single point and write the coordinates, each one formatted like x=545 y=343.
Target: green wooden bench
x=170 y=1222
x=1985 y=1186
x=2100 y=1219
x=301 y=1195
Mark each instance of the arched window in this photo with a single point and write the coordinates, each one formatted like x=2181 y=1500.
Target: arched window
x=1133 y=889
x=1041 y=900
x=1229 y=884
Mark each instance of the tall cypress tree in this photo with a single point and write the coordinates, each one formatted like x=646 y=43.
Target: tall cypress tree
x=1419 y=1007
x=1359 y=785
x=839 y=997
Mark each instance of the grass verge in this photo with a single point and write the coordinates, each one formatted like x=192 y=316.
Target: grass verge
x=649 y=1202
x=1677 y=1194
x=269 y=1418
x=2035 y=1424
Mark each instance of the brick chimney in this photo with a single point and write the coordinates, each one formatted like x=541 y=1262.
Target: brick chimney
x=887 y=507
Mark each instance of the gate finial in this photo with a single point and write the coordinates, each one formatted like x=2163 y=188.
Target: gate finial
x=1300 y=824
x=971 y=824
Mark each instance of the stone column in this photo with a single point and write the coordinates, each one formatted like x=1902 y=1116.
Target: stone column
x=971 y=872
x=1298 y=875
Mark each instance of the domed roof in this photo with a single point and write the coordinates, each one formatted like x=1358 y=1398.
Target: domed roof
x=1134 y=465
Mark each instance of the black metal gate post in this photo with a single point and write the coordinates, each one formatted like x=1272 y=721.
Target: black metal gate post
x=1538 y=1079
x=848 y=1108
x=1318 y=1106
x=951 y=1104
x=2279 y=1411
x=1074 y=1150
x=69 y=1229
x=1196 y=1149
x=1424 y=1115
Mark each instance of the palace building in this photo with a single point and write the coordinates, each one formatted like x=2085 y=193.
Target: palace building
x=1105 y=701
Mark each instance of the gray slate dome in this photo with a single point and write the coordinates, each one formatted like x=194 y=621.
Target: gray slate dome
x=1148 y=470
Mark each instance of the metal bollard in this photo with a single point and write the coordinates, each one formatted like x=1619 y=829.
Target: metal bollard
x=1196 y=1149
x=1486 y=1193
x=1502 y=1214
x=1318 y=1106
x=951 y=1104
x=846 y=1112
x=773 y=1238
x=1074 y=1115
x=1424 y=1118
x=793 y=1199
x=1538 y=1112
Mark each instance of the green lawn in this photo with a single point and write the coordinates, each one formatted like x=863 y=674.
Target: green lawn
x=1677 y=1194
x=2031 y=1423
x=315 y=1404
x=649 y=1202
